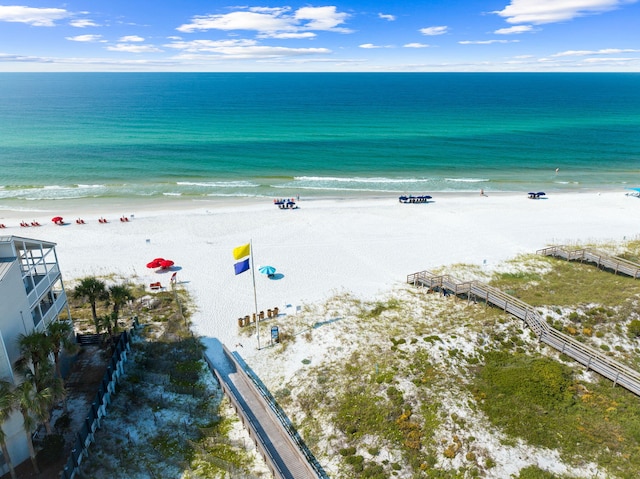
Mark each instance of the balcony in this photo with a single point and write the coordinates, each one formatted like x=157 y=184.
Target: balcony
x=53 y=310
x=43 y=283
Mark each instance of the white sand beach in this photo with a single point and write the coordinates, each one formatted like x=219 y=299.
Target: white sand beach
x=360 y=245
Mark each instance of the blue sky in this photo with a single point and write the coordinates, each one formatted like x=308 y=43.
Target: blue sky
x=358 y=35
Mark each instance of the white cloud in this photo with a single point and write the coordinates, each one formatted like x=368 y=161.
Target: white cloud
x=416 y=45
x=83 y=23
x=385 y=16
x=238 y=21
x=485 y=42
x=131 y=48
x=199 y=46
x=86 y=38
x=609 y=59
x=322 y=18
x=271 y=20
x=239 y=49
x=432 y=31
x=604 y=51
x=515 y=29
x=37 y=17
x=369 y=46
x=288 y=36
x=551 y=11
x=255 y=52
x=131 y=38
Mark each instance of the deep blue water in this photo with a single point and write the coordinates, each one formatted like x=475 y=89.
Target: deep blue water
x=74 y=135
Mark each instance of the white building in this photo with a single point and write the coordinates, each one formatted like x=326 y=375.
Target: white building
x=31 y=296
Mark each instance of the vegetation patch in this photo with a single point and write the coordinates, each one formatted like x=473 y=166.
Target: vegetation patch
x=168 y=418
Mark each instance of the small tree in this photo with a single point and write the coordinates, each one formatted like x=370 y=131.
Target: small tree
x=59 y=333
x=93 y=290
x=35 y=348
x=7 y=406
x=110 y=323
x=29 y=405
x=119 y=294
x=634 y=328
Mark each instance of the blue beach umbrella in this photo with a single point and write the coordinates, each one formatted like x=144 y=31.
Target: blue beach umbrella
x=268 y=270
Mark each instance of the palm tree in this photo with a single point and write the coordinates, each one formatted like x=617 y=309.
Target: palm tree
x=110 y=323
x=119 y=294
x=7 y=405
x=29 y=405
x=91 y=289
x=48 y=389
x=35 y=348
x=59 y=333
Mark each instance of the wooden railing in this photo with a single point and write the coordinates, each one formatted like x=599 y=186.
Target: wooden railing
x=599 y=258
x=590 y=357
x=282 y=452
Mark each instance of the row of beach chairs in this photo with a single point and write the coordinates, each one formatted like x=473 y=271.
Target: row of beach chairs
x=79 y=221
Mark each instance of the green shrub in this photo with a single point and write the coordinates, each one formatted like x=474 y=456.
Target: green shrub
x=634 y=328
x=534 y=472
x=347 y=451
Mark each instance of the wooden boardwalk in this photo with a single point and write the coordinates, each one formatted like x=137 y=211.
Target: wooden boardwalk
x=284 y=456
x=590 y=357
x=602 y=260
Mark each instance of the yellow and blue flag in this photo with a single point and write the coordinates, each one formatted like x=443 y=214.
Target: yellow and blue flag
x=238 y=254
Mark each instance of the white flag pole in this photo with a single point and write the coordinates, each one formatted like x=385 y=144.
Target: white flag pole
x=255 y=297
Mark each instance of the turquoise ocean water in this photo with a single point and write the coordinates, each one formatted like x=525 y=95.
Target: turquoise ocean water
x=145 y=135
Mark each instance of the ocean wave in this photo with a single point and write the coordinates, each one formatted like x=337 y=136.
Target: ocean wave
x=467 y=180
x=357 y=179
x=58 y=197
x=237 y=195
x=50 y=192
x=219 y=184
x=171 y=194
x=337 y=188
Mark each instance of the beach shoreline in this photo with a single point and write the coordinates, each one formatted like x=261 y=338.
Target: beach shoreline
x=16 y=208
x=364 y=246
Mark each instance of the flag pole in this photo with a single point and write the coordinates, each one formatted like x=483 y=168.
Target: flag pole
x=255 y=296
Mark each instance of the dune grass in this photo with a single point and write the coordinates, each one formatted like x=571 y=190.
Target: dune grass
x=405 y=401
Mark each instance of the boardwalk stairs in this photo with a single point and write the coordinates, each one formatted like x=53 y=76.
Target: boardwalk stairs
x=600 y=259
x=591 y=358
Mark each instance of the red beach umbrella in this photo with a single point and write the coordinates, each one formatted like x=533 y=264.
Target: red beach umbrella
x=57 y=219
x=154 y=264
x=167 y=263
